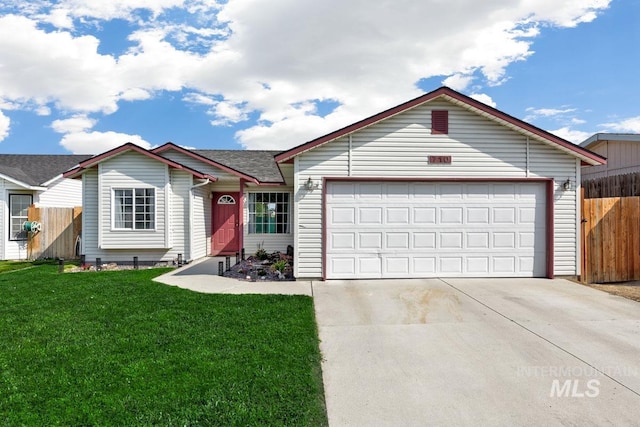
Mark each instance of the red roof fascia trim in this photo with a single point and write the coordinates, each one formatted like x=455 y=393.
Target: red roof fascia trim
x=71 y=172
x=171 y=145
x=129 y=146
x=286 y=155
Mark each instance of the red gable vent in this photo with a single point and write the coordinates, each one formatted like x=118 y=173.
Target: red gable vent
x=439 y=121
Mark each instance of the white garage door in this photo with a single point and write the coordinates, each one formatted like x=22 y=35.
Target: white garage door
x=429 y=229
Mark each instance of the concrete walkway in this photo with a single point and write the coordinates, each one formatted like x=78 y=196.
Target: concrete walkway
x=202 y=276
x=470 y=352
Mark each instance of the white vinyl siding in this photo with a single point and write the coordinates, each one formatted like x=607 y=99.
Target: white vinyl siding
x=64 y=193
x=399 y=147
x=133 y=170
x=181 y=183
x=178 y=189
x=201 y=222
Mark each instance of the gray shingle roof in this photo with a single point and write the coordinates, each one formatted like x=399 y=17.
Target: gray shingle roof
x=258 y=164
x=36 y=169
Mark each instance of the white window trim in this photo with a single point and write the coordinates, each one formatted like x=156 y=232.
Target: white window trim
x=10 y=234
x=134 y=230
x=289 y=213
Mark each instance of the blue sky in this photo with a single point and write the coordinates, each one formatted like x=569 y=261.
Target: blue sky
x=84 y=76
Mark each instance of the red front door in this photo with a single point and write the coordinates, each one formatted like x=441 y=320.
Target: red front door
x=226 y=223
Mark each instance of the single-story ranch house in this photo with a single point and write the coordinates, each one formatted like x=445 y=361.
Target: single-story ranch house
x=440 y=186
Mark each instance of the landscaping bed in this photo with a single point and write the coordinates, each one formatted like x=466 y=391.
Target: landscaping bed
x=263 y=266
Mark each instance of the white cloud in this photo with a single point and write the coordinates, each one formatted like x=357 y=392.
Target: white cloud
x=484 y=98
x=631 y=125
x=98 y=142
x=227 y=113
x=5 y=126
x=273 y=58
x=572 y=135
x=458 y=81
x=111 y=9
x=43 y=110
x=198 y=98
x=74 y=124
x=549 y=112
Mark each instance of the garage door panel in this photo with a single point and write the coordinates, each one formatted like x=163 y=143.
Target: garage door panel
x=370 y=215
x=504 y=264
x=423 y=215
x=397 y=265
x=370 y=240
x=370 y=265
x=343 y=266
x=397 y=216
x=504 y=215
x=340 y=241
x=478 y=215
x=449 y=265
x=450 y=240
x=424 y=265
x=451 y=215
x=478 y=265
x=477 y=240
x=424 y=240
x=504 y=240
x=340 y=216
x=432 y=231
x=397 y=240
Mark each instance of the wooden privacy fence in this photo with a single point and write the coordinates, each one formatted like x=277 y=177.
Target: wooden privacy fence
x=611 y=239
x=60 y=230
x=627 y=185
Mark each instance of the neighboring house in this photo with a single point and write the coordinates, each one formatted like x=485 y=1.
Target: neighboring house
x=27 y=179
x=621 y=150
x=440 y=186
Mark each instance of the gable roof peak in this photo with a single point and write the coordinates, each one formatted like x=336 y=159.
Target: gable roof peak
x=463 y=101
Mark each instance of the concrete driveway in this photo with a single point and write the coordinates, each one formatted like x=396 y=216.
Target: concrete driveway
x=477 y=352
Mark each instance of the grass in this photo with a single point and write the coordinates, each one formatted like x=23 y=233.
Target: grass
x=116 y=348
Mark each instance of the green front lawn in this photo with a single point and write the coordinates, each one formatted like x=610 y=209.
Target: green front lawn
x=115 y=348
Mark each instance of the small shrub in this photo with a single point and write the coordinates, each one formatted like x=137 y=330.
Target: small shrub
x=261 y=254
x=279 y=265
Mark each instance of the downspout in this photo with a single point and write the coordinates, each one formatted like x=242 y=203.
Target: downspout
x=191 y=195
x=350 y=147
x=527 y=172
x=241 y=214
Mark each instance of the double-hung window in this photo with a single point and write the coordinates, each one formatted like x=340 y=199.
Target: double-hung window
x=269 y=213
x=18 y=211
x=134 y=208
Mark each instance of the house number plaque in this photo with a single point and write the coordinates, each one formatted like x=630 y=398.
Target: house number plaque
x=443 y=160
